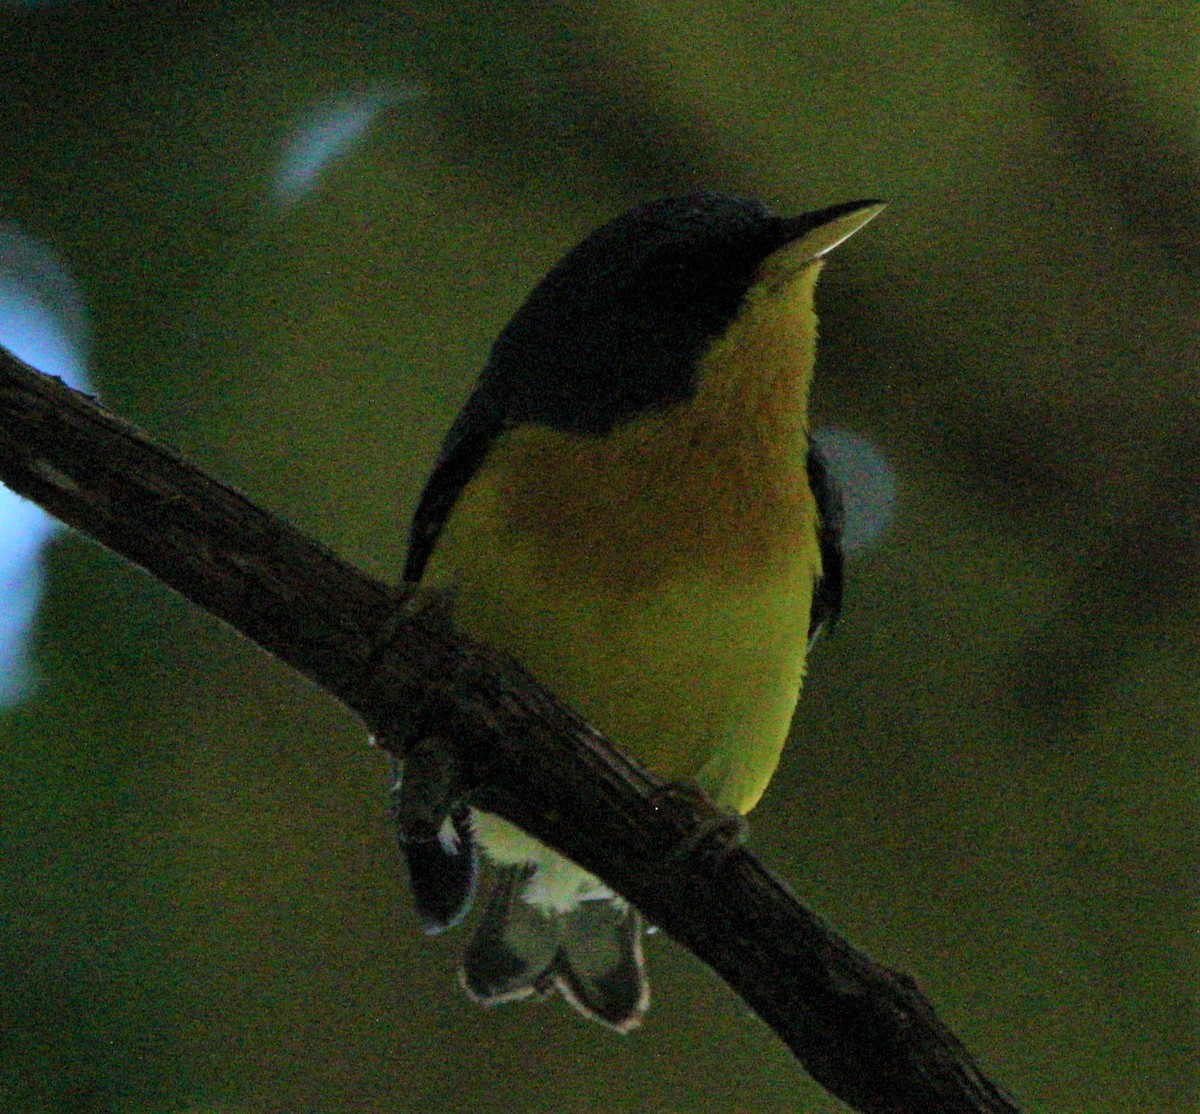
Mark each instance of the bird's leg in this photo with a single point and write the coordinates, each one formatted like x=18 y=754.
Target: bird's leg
x=433 y=825
x=427 y=788
x=429 y=803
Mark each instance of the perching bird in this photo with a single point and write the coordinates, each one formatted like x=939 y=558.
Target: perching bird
x=630 y=505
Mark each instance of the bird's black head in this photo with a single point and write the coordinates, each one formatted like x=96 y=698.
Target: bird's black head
x=617 y=327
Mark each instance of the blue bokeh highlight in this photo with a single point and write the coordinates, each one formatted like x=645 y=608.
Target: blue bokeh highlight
x=43 y=321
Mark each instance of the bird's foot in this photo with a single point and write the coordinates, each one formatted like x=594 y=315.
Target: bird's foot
x=712 y=833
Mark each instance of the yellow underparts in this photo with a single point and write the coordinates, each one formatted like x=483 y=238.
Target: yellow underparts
x=660 y=578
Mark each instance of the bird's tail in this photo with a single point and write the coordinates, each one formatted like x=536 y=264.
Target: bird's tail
x=591 y=954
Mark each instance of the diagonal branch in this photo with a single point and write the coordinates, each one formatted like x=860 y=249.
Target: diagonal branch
x=863 y=1031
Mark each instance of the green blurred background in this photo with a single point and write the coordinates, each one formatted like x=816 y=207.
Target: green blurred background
x=992 y=782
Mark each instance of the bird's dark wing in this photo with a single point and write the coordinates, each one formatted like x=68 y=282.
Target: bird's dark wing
x=827 y=592
x=477 y=426
x=442 y=871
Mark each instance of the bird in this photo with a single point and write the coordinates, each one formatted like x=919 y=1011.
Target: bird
x=630 y=504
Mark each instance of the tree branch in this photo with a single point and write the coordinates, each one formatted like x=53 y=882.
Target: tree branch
x=863 y=1031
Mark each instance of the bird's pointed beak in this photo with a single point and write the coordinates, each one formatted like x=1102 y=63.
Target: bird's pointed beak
x=813 y=235
x=841 y=227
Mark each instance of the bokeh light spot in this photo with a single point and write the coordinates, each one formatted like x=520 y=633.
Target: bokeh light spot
x=329 y=132
x=42 y=320
x=868 y=486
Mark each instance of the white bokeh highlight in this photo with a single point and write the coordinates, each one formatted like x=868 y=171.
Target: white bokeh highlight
x=329 y=132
